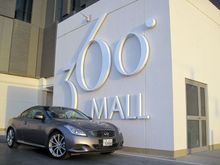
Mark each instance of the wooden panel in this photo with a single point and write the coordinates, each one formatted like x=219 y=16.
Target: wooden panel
x=32 y=56
x=7 y=8
x=20 y=48
x=39 y=13
x=6 y=25
x=48 y=56
x=39 y=53
x=50 y=13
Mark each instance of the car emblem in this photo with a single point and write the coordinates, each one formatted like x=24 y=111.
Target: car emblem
x=106 y=133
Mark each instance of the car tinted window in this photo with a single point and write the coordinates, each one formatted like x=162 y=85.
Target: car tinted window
x=26 y=113
x=36 y=111
x=31 y=113
x=65 y=113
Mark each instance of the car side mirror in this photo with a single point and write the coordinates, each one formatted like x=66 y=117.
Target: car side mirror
x=39 y=117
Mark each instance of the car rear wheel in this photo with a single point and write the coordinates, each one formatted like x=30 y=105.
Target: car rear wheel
x=10 y=138
x=57 y=146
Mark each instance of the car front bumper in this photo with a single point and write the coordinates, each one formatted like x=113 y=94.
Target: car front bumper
x=80 y=144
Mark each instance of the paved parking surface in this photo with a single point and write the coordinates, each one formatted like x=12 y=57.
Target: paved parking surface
x=25 y=155
x=207 y=158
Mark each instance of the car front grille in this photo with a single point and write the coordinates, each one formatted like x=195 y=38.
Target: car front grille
x=103 y=133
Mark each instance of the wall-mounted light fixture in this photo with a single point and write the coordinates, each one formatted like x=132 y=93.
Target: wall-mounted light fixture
x=88 y=18
x=150 y=23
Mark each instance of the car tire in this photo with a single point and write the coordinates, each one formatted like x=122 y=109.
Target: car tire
x=10 y=138
x=56 y=146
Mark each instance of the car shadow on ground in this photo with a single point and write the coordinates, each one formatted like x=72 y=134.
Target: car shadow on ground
x=2 y=139
x=77 y=157
x=83 y=159
x=43 y=153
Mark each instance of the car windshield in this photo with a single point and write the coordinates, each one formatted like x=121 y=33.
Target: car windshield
x=66 y=113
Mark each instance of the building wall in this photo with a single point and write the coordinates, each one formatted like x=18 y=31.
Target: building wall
x=39 y=13
x=6 y=27
x=48 y=52
x=17 y=94
x=28 y=49
x=7 y=8
x=20 y=48
x=22 y=52
x=154 y=82
x=195 y=38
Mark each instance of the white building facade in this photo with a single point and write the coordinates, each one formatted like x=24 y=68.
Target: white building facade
x=150 y=67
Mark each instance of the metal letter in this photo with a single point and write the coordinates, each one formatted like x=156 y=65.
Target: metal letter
x=128 y=108
x=99 y=111
x=116 y=107
x=74 y=95
x=139 y=101
x=143 y=59
x=106 y=65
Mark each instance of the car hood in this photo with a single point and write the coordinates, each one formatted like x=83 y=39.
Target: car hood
x=88 y=125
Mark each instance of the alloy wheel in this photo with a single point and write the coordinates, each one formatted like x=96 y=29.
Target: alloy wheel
x=56 y=145
x=10 y=137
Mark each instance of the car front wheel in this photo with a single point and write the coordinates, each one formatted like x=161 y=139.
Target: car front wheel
x=56 y=146
x=10 y=138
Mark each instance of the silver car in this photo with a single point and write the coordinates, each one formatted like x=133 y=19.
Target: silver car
x=63 y=131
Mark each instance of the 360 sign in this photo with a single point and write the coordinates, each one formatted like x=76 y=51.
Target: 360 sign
x=106 y=60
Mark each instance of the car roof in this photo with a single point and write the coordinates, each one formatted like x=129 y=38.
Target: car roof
x=47 y=107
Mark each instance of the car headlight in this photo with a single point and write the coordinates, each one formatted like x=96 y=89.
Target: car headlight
x=75 y=131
